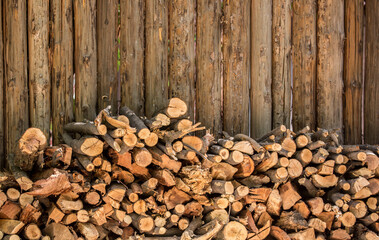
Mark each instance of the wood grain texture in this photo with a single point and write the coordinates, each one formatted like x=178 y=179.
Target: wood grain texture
x=132 y=54
x=182 y=52
x=16 y=74
x=281 y=62
x=330 y=37
x=2 y=92
x=371 y=111
x=107 y=50
x=353 y=71
x=85 y=59
x=156 y=56
x=236 y=53
x=304 y=64
x=261 y=67
x=208 y=65
x=39 y=74
x=62 y=69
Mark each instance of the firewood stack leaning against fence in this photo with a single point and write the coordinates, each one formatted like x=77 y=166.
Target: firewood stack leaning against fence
x=127 y=177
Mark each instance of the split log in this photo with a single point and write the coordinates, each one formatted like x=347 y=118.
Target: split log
x=32 y=142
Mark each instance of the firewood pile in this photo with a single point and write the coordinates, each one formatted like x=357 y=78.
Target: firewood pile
x=127 y=177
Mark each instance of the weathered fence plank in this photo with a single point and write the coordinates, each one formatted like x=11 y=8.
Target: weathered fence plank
x=182 y=52
x=106 y=30
x=330 y=37
x=236 y=52
x=156 y=79
x=39 y=74
x=85 y=59
x=62 y=68
x=353 y=71
x=371 y=94
x=304 y=64
x=281 y=62
x=208 y=65
x=16 y=74
x=132 y=55
x=261 y=66
x=2 y=91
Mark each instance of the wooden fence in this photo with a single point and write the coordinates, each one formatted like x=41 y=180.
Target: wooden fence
x=242 y=66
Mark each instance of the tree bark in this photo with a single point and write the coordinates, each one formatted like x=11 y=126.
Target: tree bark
x=16 y=74
x=106 y=30
x=39 y=74
x=156 y=78
x=236 y=50
x=304 y=64
x=85 y=60
x=2 y=93
x=208 y=65
x=261 y=55
x=61 y=66
x=330 y=37
x=371 y=94
x=182 y=52
x=281 y=62
x=132 y=55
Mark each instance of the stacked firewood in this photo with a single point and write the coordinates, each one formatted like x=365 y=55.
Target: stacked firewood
x=129 y=177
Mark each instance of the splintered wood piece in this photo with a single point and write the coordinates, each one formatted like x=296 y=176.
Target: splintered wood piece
x=357 y=184
x=289 y=195
x=324 y=182
x=86 y=145
x=278 y=234
x=32 y=142
x=316 y=205
x=164 y=177
x=55 y=184
x=88 y=230
x=32 y=232
x=222 y=187
x=162 y=160
x=30 y=214
x=274 y=203
x=339 y=234
x=245 y=168
x=9 y=226
x=10 y=210
x=302 y=208
x=175 y=196
x=233 y=230
x=85 y=128
x=292 y=221
x=176 y=108
x=268 y=162
x=305 y=234
x=58 y=231
x=222 y=171
x=258 y=195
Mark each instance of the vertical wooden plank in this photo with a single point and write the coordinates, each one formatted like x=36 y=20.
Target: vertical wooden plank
x=304 y=64
x=2 y=92
x=281 y=62
x=16 y=74
x=156 y=81
x=330 y=37
x=352 y=70
x=39 y=74
x=236 y=52
x=107 y=22
x=208 y=65
x=371 y=110
x=85 y=59
x=261 y=67
x=132 y=54
x=182 y=52
x=62 y=61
